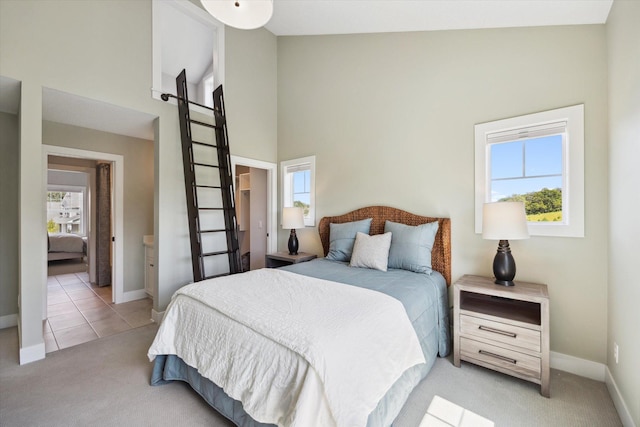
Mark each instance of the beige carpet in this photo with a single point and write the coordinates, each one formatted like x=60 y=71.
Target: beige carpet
x=575 y=401
x=106 y=383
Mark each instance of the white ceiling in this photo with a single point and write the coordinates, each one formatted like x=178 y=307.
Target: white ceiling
x=312 y=17
x=62 y=107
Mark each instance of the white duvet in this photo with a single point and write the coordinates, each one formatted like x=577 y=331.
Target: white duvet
x=295 y=350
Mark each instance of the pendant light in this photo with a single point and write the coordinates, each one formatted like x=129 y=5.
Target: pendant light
x=242 y=14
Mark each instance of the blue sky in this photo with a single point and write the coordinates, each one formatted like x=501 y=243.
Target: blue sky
x=524 y=166
x=302 y=186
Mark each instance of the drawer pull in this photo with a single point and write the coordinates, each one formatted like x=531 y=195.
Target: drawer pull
x=497 y=356
x=497 y=331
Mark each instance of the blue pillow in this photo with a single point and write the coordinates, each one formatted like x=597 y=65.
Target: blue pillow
x=411 y=246
x=343 y=236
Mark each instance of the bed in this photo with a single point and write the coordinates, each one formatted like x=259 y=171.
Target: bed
x=325 y=367
x=66 y=246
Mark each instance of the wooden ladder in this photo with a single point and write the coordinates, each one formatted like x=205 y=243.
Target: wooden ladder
x=210 y=196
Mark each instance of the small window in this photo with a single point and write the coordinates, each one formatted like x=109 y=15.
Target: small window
x=66 y=212
x=537 y=159
x=298 y=186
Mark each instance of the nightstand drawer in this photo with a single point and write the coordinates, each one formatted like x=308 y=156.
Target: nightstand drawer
x=513 y=361
x=501 y=332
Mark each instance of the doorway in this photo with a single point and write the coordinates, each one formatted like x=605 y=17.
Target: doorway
x=255 y=192
x=79 y=218
x=117 y=214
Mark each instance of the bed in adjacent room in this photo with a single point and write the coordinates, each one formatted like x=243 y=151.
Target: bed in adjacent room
x=341 y=340
x=66 y=246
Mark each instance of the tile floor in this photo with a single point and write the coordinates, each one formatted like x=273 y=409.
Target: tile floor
x=79 y=312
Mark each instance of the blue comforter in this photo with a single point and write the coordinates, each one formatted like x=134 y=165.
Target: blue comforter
x=424 y=296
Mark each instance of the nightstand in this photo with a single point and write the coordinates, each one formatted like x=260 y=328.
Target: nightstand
x=502 y=328
x=280 y=259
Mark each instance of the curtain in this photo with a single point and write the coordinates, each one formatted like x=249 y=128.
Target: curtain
x=103 y=224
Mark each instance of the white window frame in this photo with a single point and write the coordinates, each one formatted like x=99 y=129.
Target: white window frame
x=286 y=185
x=572 y=117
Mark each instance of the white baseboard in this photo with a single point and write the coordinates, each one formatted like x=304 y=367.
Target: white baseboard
x=618 y=401
x=595 y=371
x=32 y=353
x=157 y=316
x=134 y=295
x=575 y=365
x=8 y=321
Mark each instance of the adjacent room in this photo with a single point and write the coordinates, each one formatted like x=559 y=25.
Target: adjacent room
x=279 y=212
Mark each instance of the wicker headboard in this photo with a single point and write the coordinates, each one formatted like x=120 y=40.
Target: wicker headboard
x=441 y=253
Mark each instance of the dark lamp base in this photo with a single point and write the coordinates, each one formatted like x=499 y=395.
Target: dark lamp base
x=504 y=266
x=293 y=243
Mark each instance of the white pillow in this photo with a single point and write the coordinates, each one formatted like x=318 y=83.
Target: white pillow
x=371 y=251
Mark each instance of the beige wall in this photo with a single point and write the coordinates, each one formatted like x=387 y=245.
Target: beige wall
x=9 y=149
x=623 y=35
x=390 y=119
x=251 y=72
x=138 y=186
x=102 y=50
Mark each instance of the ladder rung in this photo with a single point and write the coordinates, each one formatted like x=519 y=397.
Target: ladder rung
x=214 y=231
x=210 y=209
x=207 y=186
x=206 y=144
x=217 y=275
x=216 y=253
x=198 y=122
x=207 y=165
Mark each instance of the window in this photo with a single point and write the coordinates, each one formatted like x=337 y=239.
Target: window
x=65 y=211
x=298 y=186
x=537 y=159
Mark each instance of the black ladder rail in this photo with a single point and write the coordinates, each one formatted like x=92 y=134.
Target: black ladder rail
x=191 y=186
x=226 y=180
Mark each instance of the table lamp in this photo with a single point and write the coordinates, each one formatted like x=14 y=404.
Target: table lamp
x=293 y=218
x=504 y=221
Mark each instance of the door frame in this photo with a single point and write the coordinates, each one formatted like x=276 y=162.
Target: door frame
x=117 y=273
x=272 y=195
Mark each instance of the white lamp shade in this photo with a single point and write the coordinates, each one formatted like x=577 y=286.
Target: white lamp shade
x=292 y=218
x=504 y=221
x=242 y=14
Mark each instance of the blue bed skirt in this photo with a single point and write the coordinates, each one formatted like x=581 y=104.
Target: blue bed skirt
x=168 y=368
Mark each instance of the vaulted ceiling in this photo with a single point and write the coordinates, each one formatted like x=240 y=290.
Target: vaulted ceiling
x=309 y=17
